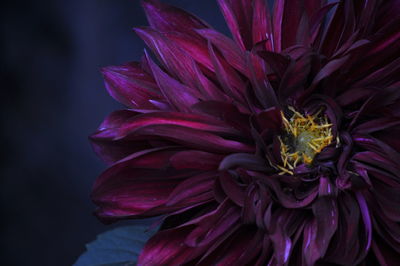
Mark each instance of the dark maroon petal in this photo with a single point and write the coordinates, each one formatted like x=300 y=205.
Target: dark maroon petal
x=377 y=146
x=353 y=95
x=384 y=76
x=329 y=68
x=384 y=254
x=377 y=125
x=295 y=76
x=226 y=112
x=240 y=249
x=317 y=23
x=318 y=233
x=377 y=161
x=265 y=253
x=288 y=200
x=277 y=62
x=262 y=87
x=286 y=18
x=193 y=159
x=232 y=189
x=193 y=190
x=214 y=226
x=164 y=17
x=381 y=50
x=127 y=188
x=269 y=119
x=168 y=248
x=247 y=161
x=334 y=30
x=349 y=232
x=387 y=196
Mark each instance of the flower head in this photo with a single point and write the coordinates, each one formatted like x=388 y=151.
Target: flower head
x=279 y=146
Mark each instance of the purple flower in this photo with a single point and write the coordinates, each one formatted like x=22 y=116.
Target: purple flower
x=279 y=147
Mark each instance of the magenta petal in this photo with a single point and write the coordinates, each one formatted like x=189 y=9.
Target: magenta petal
x=179 y=96
x=111 y=151
x=131 y=85
x=231 y=18
x=192 y=138
x=193 y=121
x=229 y=79
x=262 y=24
x=177 y=61
x=230 y=51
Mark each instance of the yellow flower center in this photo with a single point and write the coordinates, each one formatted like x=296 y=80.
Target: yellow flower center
x=303 y=138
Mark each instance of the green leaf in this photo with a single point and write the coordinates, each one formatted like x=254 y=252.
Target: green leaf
x=117 y=247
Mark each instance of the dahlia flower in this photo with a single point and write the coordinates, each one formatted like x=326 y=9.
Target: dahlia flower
x=278 y=146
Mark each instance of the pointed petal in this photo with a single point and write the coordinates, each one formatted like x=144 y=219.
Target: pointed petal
x=131 y=85
x=164 y=17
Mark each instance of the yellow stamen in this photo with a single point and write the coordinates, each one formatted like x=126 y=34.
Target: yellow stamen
x=307 y=134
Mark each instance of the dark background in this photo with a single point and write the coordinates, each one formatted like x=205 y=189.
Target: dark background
x=52 y=98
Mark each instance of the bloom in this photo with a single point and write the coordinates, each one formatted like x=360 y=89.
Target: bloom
x=278 y=147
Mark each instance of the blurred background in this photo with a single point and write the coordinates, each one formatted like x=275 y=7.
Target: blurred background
x=52 y=98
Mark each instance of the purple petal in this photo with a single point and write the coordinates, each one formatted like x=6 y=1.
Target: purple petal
x=164 y=17
x=229 y=50
x=262 y=24
x=178 y=95
x=366 y=218
x=230 y=81
x=131 y=85
x=238 y=17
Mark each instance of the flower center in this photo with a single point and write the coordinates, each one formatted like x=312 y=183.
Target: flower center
x=303 y=137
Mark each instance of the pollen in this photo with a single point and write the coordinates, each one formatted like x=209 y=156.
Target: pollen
x=304 y=136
